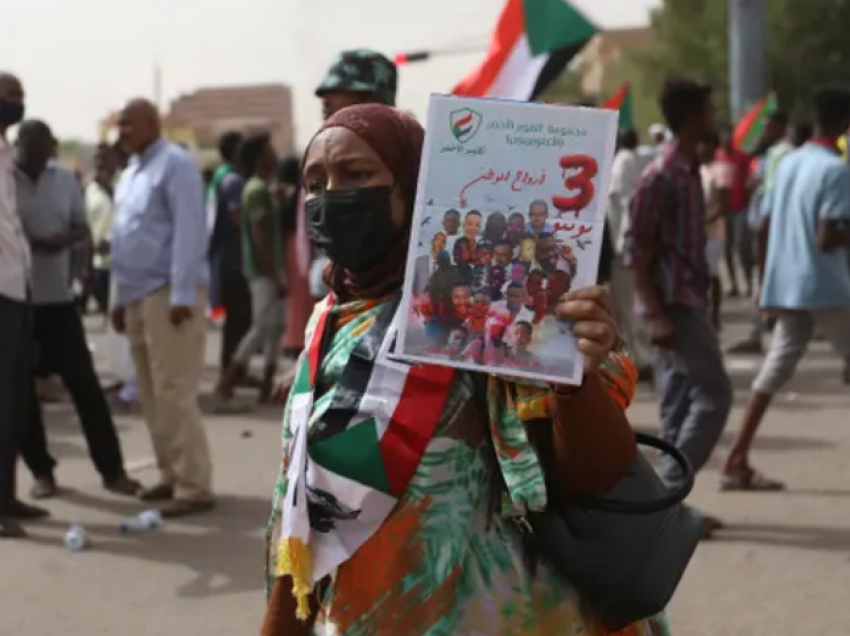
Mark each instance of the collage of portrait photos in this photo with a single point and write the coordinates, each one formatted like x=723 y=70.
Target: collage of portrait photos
x=488 y=266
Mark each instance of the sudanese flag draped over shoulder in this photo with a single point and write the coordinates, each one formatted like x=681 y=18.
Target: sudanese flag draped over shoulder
x=533 y=42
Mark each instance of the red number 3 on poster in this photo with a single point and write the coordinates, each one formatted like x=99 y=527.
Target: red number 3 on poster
x=581 y=181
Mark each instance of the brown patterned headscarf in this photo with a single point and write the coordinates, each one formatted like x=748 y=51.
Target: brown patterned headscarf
x=397 y=139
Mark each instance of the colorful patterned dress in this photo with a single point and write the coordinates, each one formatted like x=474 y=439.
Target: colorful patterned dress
x=441 y=565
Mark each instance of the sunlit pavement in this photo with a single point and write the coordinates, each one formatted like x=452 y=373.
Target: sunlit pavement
x=782 y=566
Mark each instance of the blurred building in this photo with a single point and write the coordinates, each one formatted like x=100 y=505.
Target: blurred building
x=197 y=119
x=600 y=63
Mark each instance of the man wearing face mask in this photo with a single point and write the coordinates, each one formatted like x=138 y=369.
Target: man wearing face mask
x=14 y=319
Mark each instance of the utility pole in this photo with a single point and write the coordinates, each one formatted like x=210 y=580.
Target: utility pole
x=747 y=54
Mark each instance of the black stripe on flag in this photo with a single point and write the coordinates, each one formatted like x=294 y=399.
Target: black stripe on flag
x=554 y=66
x=355 y=377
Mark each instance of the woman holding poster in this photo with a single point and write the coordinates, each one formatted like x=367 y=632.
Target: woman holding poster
x=385 y=519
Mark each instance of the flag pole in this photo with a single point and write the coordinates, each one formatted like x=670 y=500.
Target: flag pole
x=747 y=55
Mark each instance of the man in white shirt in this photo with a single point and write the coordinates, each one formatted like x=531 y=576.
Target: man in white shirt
x=14 y=320
x=100 y=209
x=625 y=173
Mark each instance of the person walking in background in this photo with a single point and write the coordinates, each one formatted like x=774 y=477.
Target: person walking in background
x=229 y=288
x=716 y=186
x=51 y=208
x=805 y=278
x=263 y=265
x=15 y=321
x=798 y=134
x=100 y=210
x=740 y=241
x=625 y=173
x=289 y=200
x=159 y=261
x=665 y=248
x=658 y=137
x=121 y=359
x=738 y=246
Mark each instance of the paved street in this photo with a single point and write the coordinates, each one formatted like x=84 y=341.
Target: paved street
x=781 y=568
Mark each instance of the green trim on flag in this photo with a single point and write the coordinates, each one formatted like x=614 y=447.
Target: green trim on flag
x=554 y=24
x=302 y=378
x=627 y=111
x=749 y=129
x=354 y=454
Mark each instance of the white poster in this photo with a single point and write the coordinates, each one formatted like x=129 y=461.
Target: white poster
x=509 y=216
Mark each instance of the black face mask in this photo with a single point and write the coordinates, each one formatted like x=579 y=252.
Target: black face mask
x=11 y=113
x=353 y=227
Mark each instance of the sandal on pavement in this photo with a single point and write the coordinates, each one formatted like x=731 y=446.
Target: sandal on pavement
x=752 y=481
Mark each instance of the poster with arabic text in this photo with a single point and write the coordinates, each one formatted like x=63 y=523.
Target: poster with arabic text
x=509 y=216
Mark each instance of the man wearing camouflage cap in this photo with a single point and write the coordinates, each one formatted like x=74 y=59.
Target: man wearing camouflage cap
x=358 y=77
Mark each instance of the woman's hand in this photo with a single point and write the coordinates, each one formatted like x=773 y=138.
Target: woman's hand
x=594 y=327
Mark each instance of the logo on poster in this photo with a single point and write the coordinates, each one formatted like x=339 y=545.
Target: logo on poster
x=465 y=124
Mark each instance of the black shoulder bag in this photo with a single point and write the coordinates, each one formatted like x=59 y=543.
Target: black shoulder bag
x=624 y=552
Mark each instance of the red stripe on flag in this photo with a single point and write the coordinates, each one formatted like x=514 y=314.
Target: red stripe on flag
x=509 y=29
x=616 y=100
x=745 y=126
x=413 y=422
x=314 y=349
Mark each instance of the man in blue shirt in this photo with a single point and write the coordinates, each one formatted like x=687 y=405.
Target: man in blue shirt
x=159 y=262
x=804 y=239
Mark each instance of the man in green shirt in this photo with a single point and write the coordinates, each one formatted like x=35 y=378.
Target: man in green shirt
x=263 y=266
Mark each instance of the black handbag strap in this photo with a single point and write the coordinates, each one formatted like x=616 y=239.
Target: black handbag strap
x=675 y=496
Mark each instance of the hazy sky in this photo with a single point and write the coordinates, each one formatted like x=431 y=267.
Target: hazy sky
x=79 y=59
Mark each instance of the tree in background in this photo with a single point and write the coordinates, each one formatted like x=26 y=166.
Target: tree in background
x=807 y=45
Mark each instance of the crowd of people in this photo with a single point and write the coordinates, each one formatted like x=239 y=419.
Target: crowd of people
x=154 y=243
x=163 y=245
x=780 y=212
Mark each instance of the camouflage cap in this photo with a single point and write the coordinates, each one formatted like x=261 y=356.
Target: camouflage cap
x=362 y=71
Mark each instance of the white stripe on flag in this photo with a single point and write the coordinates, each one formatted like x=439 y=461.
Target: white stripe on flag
x=519 y=74
x=296 y=517
x=332 y=548
x=386 y=385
